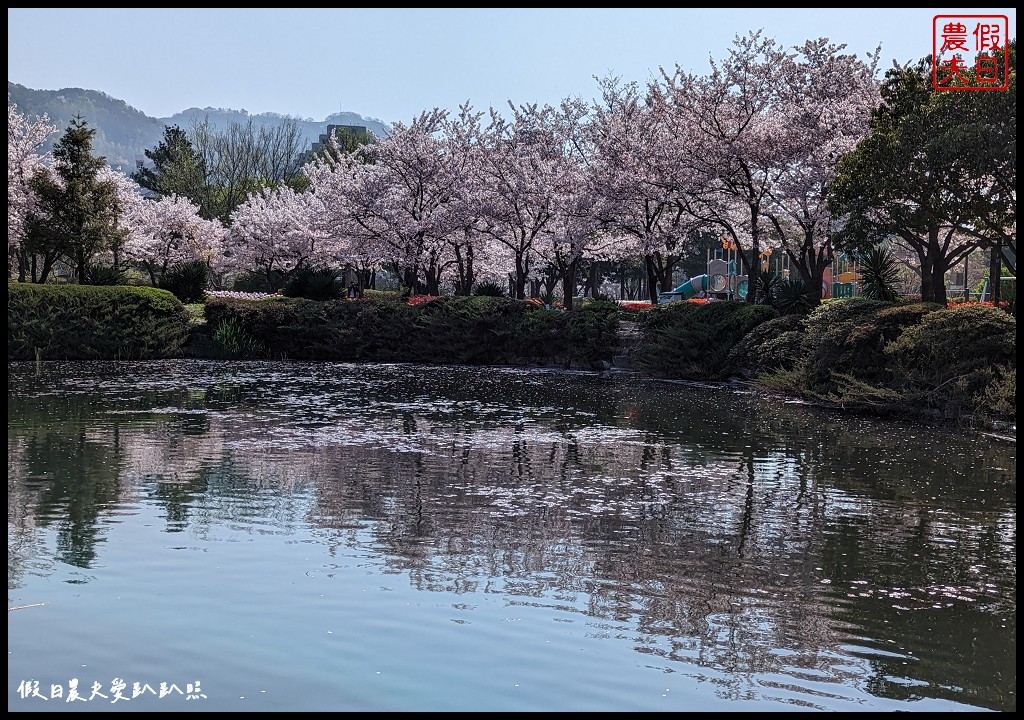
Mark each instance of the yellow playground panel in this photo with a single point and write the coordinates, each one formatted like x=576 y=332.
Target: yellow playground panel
x=847 y=277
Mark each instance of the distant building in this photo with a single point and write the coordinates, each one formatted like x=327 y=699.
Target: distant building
x=355 y=130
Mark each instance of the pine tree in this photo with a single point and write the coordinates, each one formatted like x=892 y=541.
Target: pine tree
x=177 y=170
x=78 y=213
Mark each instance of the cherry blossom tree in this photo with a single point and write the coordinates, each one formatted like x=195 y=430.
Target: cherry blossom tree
x=25 y=138
x=351 y=247
x=399 y=193
x=467 y=251
x=170 y=231
x=516 y=181
x=828 y=98
x=129 y=197
x=276 y=230
x=574 y=232
x=637 y=174
x=731 y=126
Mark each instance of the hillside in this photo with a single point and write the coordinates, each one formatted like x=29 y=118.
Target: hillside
x=123 y=134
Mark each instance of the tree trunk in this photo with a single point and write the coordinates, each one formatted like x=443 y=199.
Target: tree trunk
x=652 y=279
x=665 y=278
x=933 y=282
x=45 y=271
x=753 y=268
x=466 y=275
x=22 y=265
x=410 y=279
x=569 y=284
x=593 y=279
x=995 y=272
x=521 y=272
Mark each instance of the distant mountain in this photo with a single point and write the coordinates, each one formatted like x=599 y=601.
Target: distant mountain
x=123 y=134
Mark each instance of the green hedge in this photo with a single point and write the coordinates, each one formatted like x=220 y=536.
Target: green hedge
x=846 y=340
x=692 y=341
x=904 y=358
x=447 y=329
x=862 y=354
x=776 y=344
x=907 y=358
x=959 y=361
x=84 y=322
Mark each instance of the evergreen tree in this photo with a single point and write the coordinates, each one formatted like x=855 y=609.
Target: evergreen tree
x=937 y=174
x=177 y=169
x=78 y=213
x=985 y=140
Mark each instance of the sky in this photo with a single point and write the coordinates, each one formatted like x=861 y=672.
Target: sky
x=392 y=64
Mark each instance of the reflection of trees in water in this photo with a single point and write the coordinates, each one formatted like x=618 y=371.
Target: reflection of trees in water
x=67 y=481
x=676 y=521
x=24 y=541
x=722 y=564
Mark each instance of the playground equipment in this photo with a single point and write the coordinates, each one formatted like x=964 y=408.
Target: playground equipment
x=985 y=289
x=778 y=264
x=847 y=276
x=720 y=281
x=960 y=282
x=691 y=288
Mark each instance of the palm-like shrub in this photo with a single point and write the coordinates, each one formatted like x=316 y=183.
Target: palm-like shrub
x=792 y=297
x=767 y=285
x=314 y=283
x=489 y=289
x=187 y=281
x=879 y=273
x=103 y=275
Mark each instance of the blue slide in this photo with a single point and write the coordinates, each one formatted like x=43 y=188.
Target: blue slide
x=691 y=287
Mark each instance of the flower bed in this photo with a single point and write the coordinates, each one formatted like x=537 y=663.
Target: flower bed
x=239 y=295
x=986 y=303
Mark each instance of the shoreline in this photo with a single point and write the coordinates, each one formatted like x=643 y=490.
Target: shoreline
x=1003 y=430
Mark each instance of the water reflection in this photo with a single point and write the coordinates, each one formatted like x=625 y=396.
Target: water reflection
x=772 y=551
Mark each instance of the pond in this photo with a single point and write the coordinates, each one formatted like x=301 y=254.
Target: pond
x=269 y=536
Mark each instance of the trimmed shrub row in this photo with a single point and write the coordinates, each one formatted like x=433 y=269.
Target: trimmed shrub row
x=692 y=341
x=85 y=322
x=448 y=329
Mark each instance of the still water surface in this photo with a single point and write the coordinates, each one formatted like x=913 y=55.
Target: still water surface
x=200 y=536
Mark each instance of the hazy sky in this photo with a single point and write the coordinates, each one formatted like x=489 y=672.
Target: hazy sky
x=394 y=63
